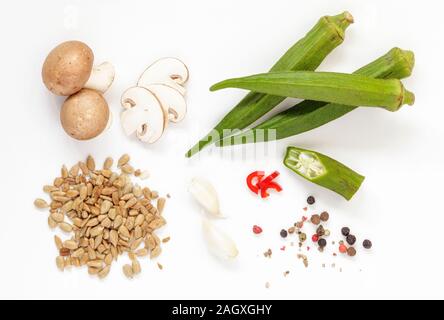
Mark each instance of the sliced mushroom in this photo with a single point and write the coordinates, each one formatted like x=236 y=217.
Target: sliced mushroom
x=169 y=71
x=102 y=76
x=171 y=100
x=143 y=114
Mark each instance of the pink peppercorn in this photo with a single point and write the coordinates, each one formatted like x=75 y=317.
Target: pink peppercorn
x=315 y=238
x=257 y=230
x=342 y=248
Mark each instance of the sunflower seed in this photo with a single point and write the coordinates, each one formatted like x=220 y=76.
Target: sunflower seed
x=136 y=268
x=74 y=171
x=104 y=272
x=90 y=163
x=58 y=182
x=51 y=223
x=49 y=189
x=156 y=252
x=142 y=252
x=123 y=232
x=124 y=159
x=70 y=244
x=64 y=172
x=128 y=271
x=108 y=163
x=84 y=168
x=128 y=169
x=78 y=253
x=41 y=204
x=106 y=205
x=60 y=262
x=66 y=227
x=96 y=231
x=95 y=264
x=165 y=240
x=160 y=205
x=57 y=217
x=58 y=242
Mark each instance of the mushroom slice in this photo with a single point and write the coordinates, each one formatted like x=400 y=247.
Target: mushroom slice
x=169 y=71
x=143 y=114
x=133 y=119
x=102 y=76
x=171 y=100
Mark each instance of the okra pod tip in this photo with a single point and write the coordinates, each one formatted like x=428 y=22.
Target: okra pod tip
x=343 y=20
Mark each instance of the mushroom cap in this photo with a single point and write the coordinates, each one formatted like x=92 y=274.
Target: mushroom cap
x=67 y=68
x=85 y=114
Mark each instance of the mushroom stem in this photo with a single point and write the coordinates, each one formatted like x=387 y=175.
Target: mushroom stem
x=102 y=76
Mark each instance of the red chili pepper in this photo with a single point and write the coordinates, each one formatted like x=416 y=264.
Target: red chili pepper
x=256 y=183
x=270 y=185
x=254 y=179
x=268 y=179
x=257 y=230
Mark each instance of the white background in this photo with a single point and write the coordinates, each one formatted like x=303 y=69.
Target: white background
x=401 y=154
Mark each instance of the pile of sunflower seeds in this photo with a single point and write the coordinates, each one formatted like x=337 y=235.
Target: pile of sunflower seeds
x=105 y=215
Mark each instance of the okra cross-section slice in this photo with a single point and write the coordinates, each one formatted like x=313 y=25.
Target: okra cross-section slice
x=341 y=88
x=323 y=171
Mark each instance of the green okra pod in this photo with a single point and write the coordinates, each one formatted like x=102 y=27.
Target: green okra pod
x=323 y=171
x=341 y=88
x=308 y=115
x=306 y=54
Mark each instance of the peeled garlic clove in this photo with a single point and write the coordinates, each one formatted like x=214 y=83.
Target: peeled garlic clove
x=219 y=243
x=204 y=193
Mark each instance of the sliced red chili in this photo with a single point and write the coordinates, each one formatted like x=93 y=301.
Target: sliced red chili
x=270 y=185
x=268 y=179
x=254 y=179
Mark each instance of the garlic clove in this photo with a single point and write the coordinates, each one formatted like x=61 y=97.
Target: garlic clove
x=218 y=242
x=205 y=194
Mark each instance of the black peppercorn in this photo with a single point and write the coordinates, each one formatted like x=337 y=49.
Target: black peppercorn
x=284 y=233
x=367 y=244
x=345 y=231
x=351 y=239
x=311 y=200
x=322 y=243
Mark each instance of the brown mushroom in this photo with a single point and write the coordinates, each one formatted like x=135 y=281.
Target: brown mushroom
x=67 y=68
x=85 y=114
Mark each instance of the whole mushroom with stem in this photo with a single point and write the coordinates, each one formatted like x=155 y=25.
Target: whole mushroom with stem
x=158 y=98
x=68 y=70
